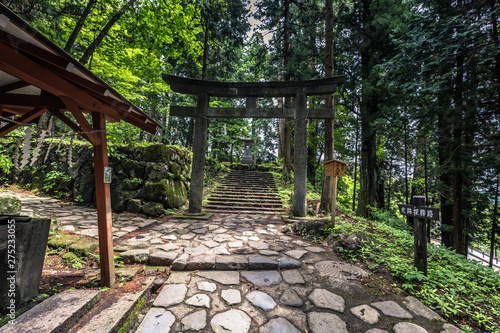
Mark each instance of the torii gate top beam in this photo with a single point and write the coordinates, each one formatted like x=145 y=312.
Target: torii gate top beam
x=323 y=86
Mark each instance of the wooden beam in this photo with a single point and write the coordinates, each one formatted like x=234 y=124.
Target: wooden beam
x=323 y=86
x=190 y=111
x=103 y=200
x=34 y=50
x=80 y=118
x=133 y=118
x=21 y=120
x=25 y=69
x=31 y=101
x=72 y=77
x=13 y=86
x=73 y=126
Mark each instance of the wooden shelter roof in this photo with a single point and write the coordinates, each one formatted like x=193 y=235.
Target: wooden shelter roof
x=37 y=76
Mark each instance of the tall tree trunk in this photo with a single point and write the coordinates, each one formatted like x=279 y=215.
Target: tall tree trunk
x=79 y=25
x=281 y=132
x=312 y=151
x=390 y=183
x=369 y=112
x=163 y=138
x=355 y=171
x=406 y=164
x=494 y=226
x=149 y=136
x=327 y=192
x=287 y=147
x=444 y=156
x=205 y=51
x=459 y=236
x=496 y=39
x=93 y=46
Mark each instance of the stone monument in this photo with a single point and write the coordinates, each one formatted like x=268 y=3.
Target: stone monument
x=247 y=151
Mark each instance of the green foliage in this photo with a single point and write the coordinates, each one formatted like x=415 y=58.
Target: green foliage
x=460 y=289
x=5 y=163
x=52 y=179
x=55 y=228
x=214 y=169
x=133 y=181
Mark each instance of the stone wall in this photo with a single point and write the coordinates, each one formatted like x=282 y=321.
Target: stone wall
x=145 y=179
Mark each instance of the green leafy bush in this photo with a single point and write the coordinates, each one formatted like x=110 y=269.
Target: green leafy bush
x=462 y=290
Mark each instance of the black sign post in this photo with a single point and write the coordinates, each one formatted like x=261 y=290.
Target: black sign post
x=421 y=214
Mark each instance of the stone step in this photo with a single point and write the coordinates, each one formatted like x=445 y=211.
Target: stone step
x=243 y=197
x=228 y=211
x=249 y=180
x=246 y=203
x=249 y=184
x=244 y=191
x=248 y=189
x=110 y=317
x=233 y=209
x=58 y=313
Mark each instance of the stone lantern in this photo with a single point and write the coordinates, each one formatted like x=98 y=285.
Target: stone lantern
x=247 y=151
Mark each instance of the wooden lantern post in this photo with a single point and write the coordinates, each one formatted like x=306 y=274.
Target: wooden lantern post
x=334 y=168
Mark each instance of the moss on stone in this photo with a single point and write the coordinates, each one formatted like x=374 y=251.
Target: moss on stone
x=172 y=194
x=134 y=169
x=62 y=241
x=176 y=170
x=156 y=153
x=156 y=171
x=84 y=247
x=153 y=209
x=10 y=204
x=69 y=257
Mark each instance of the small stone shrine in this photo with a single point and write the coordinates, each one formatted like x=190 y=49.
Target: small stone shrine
x=247 y=151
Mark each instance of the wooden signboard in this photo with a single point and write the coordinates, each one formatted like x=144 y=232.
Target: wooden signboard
x=421 y=213
x=334 y=168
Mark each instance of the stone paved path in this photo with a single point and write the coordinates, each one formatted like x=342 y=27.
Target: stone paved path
x=240 y=273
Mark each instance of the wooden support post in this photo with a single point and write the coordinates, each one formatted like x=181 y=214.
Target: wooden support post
x=300 y=156
x=199 y=147
x=420 y=236
x=334 y=201
x=103 y=198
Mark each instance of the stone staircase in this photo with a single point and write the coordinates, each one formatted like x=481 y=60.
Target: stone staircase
x=248 y=192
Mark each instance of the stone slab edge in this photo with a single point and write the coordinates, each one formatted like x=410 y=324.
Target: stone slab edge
x=293 y=219
x=119 y=315
x=187 y=216
x=42 y=312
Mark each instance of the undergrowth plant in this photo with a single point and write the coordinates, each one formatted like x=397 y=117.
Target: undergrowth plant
x=462 y=290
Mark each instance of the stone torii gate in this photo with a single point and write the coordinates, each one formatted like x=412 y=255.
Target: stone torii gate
x=299 y=90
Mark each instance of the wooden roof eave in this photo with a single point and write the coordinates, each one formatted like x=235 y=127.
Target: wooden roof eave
x=61 y=65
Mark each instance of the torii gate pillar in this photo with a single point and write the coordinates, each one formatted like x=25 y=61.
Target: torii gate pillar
x=300 y=157
x=199 y=148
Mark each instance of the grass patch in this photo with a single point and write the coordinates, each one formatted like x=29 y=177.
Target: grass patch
x=463 y=291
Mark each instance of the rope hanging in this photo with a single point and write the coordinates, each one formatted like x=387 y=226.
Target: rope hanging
x=26 y=147
x=38 y=147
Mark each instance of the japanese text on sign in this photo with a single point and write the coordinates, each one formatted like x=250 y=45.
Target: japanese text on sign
x=420 y=212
